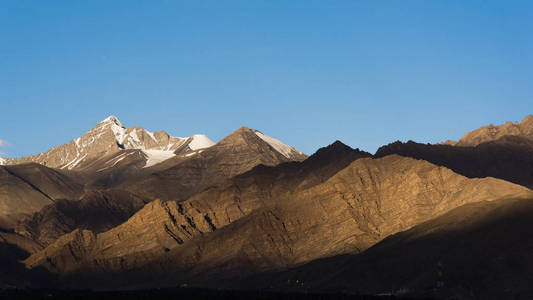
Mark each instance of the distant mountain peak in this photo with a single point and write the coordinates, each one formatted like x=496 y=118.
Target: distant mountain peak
x=278 y=145
x=491 y=132
x=112 y=120
x=200 y=141
x=339 y=145
x=334 y=147
x=110 y=136
x=336 y=150
x=245 y=135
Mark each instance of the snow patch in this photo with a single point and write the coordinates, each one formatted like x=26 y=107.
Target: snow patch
x=278 y=145
x=170 y=145
x=112 y=120
x=119 y=132
x=200 y=141
x=153 y=157
x=117 y=159
x=74 y=162
x=151 y=135
x=134 y=136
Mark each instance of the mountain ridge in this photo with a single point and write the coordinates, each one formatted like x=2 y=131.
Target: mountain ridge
x=110 y=136
x=275 y=231
x=491 y=133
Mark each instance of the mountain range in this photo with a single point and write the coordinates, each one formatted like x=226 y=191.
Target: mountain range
x=250 y=212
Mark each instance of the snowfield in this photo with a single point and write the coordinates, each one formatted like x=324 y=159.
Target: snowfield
x=153 y=157
x=282 y=148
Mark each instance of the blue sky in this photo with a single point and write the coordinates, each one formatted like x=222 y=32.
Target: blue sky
x=307 y=72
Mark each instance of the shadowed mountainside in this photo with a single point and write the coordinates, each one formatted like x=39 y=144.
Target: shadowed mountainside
x=96 y=210
x=254 y=223
x=27 y=188
x=252 y=212
x=237 y=153
x=509 y=158
x=13 y=249
x=480 y=250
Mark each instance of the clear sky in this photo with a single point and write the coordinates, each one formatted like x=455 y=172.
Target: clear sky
x=306 y=72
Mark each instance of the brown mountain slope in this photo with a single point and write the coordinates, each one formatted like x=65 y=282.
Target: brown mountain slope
x=481 y=250
x=96 y=210
x=509 y=158
x=489 y=133
x=241 y=227
x=239 y=152
x=112 y=169
x=102 y=210
x=13 y=249
x=325 y=162
x=27 y=188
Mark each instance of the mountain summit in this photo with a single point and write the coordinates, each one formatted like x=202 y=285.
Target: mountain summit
x=489 y=133
x=110 y=136
x=238 y=152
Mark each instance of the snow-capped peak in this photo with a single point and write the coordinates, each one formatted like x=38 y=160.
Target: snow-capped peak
x=113 y=120
x=278 y=145
x=200 y=141
x=110 y=136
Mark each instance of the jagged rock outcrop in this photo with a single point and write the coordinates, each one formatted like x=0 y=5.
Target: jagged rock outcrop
x=27 y=188
x=253 y=223
x=489 y=133
x=66 y=251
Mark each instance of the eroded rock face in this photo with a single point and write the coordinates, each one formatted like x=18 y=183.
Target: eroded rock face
x=246 y=226
x=481 y=250
x=491 y=133
x=66 y=252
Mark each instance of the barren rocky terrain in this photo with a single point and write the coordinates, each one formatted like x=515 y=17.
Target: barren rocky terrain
x=126 y=208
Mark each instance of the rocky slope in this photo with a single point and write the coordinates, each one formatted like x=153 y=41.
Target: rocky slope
x=489 y=133
x=480 y=250
x=27 y=188
x=101 y=209
x=255 y=223
x=109 y=137
x=95 y=210
x=509 y=158
x=189 y=174
x=13 y=249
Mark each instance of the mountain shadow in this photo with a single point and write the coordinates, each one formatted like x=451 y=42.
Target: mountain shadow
x=480 y=250
x=509 y=158
x=14 y=273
